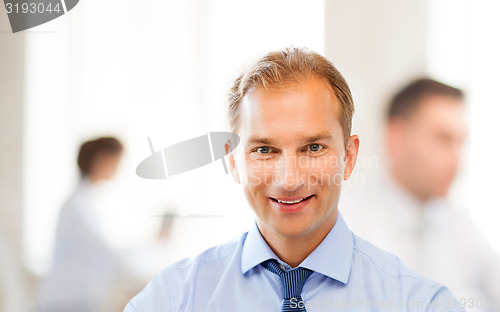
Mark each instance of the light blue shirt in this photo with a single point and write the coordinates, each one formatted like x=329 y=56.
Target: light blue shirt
x=350 y=274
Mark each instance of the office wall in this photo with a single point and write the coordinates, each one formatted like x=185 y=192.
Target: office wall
x=11 y=166
x=11 y=133
x=377 y=46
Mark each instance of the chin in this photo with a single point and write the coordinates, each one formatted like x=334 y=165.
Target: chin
x=443 y=192
x=293 y=229
x=292 y=234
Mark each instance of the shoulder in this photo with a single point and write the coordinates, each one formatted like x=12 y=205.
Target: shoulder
x=77 y=201
x=169 y=289
x=209 y=259
x=385 y=262
x=391 y=275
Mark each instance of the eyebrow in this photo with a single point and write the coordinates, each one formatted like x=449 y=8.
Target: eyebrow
x=305 y=139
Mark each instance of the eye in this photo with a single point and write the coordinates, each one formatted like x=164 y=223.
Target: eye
x=263 y=150
x=315 y=147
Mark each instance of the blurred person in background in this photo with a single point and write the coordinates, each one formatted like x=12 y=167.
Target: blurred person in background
x=425 y=133
x=84 y=265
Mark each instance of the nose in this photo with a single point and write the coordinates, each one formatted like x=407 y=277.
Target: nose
x=289 y=177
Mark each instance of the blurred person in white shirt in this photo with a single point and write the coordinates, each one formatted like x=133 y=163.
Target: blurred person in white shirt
x=84 y=265
x=406 y=211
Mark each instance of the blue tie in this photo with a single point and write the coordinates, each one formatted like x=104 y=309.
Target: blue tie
x=293 y=281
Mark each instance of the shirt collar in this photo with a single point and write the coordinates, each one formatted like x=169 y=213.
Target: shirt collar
x=255 y=250
x=332 y=258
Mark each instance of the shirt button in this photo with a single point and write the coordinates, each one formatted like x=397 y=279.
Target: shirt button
x=282 y=267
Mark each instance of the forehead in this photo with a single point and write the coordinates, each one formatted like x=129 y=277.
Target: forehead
x=306 y=107
x=446 y=111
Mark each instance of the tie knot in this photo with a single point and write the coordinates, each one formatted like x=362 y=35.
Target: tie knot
x=292 y=281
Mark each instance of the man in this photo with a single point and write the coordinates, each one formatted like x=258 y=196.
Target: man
x=293 y=112
x=425 y=132
x=85 y=266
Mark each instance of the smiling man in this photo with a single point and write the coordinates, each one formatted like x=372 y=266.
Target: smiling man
x=293 y=111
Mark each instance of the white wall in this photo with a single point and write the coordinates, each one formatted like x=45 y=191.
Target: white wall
x=378 y=46
x=12 y=282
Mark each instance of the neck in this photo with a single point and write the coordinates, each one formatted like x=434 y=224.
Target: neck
x=295 y=249
x=421 y=198
x=92 y=178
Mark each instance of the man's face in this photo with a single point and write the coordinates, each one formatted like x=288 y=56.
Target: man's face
x=106 y=165
x=426 y=148
x=291 y=158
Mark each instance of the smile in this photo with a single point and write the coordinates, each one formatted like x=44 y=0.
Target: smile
x=288 y=202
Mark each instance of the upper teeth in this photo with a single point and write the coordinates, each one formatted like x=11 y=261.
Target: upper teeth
x=290 y=202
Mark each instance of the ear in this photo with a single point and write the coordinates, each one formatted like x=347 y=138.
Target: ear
x=232 y=163
x=351 y=154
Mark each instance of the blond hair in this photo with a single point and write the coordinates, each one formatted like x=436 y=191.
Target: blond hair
x=290 y=66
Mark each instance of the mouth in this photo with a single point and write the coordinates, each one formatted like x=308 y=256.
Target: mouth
x=291 y=201
x=290 y=205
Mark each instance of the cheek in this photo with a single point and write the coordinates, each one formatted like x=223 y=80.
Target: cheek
x=240 y=166
x=324 y=171
x=430 y=158
x=256 y=174
x=417 y=152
